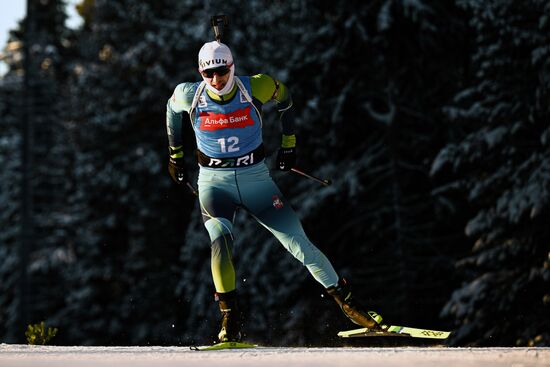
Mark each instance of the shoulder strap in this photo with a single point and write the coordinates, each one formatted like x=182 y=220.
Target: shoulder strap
x=242 y=88
x=196 y=97
x=248 y=98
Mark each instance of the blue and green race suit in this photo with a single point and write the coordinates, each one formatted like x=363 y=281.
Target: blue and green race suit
x=227 y=127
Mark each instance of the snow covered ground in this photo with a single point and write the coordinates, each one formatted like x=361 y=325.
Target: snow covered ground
x=23 y=355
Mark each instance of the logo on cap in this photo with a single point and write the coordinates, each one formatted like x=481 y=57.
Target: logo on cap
x=205 y=64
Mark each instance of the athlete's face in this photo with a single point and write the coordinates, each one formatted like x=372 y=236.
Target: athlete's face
x=217 y=77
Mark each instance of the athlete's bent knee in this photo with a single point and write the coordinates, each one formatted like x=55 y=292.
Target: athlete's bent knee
x=218 y=227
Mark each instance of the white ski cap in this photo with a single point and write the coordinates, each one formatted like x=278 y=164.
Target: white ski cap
x=213 y=55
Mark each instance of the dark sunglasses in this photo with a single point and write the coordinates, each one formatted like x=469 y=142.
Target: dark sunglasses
x=220 y=71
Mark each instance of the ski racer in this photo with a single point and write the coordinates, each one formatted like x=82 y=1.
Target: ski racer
x=226 y=115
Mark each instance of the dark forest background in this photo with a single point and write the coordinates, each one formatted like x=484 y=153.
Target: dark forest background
x=431 y=118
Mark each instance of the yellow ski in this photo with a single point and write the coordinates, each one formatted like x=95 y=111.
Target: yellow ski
x=225 y=345
x=394 y=330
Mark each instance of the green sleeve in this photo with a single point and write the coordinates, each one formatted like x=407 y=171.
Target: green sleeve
x=264 y=88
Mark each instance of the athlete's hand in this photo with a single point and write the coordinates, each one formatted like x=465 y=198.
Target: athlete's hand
x=286 y=159
x=176 y=168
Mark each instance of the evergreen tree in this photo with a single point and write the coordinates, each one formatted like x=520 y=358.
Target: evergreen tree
x=52 y=161
x=44 y=32
x=10 y=162
x=500 y=165
x=131 y=218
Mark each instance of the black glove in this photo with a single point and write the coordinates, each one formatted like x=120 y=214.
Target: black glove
x=286 y=159
x=177 y=170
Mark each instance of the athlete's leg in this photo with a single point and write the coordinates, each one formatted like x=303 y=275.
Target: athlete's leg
x=268 y=205
x=218 y=208
x=263 y=199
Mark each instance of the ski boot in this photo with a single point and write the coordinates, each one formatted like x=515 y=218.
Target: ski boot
x=352 y=309
x=231 y=317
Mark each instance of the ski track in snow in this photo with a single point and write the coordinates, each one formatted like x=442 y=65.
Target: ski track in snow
x=24 y=355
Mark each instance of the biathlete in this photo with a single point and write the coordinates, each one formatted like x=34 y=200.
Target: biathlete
x=226 y=115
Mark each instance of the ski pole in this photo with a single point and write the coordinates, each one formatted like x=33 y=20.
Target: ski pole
x=321 y=181
x=193 y=190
